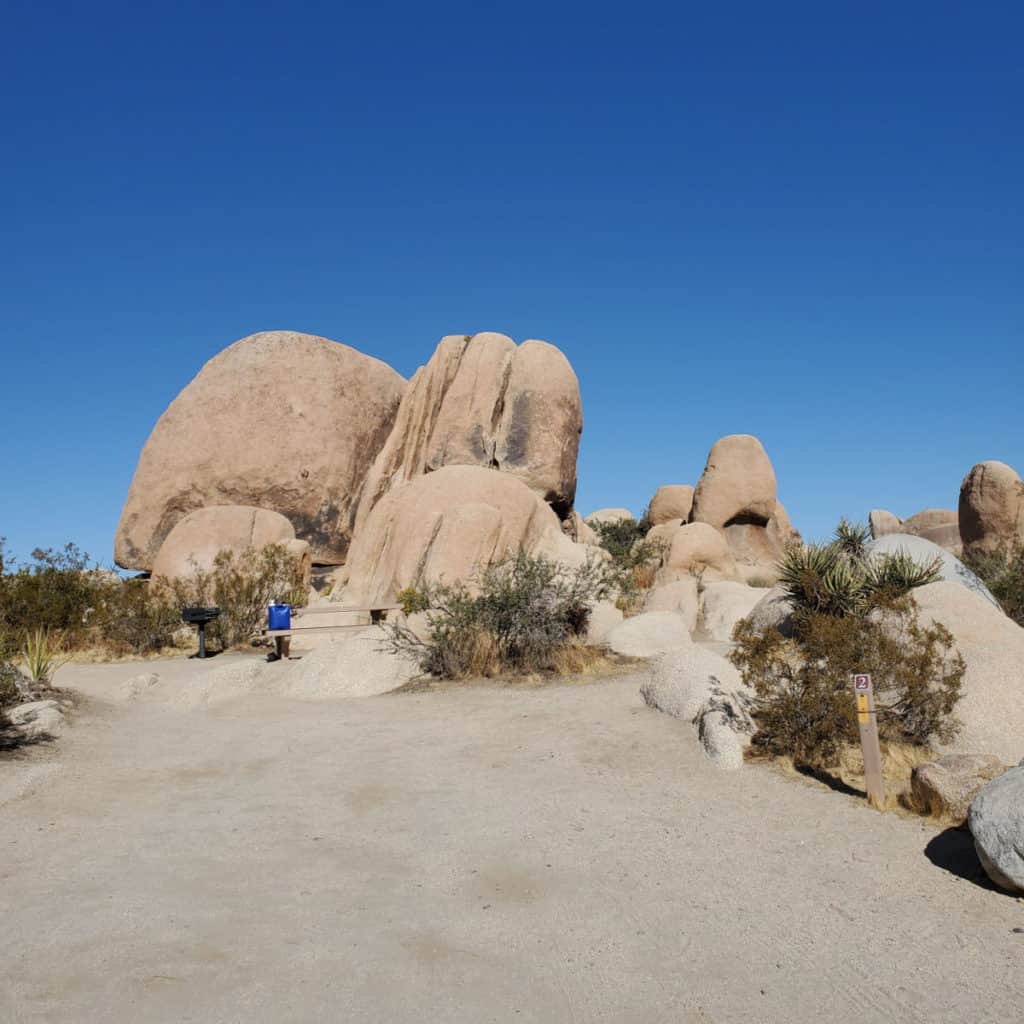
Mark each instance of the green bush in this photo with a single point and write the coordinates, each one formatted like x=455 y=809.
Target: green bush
x=516 y=617
x=1003 y=573
x=851 y=614
x=634 y=559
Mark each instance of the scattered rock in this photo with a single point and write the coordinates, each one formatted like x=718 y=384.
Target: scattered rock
x=991 y=512
x=996 y=821
x=945 y=788
x=724 y=604
x=286 y=421
x=649 y=634
x=922 y=550
x=679 y=597
x=671 y=501
x=37 y=720
x=195 y=541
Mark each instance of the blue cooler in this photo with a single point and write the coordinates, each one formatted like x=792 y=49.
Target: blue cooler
x=279 y=616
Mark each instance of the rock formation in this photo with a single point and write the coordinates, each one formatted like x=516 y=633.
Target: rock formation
x=996 y=822
x=672 y=501
x=609 y=515
x=938 y=525
x=444 y=525
x=482 y=401
x=286 y=421
x=698 y=549
x=991 y=512
x=195 y=541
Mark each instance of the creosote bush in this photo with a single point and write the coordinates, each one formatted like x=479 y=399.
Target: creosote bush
x=518 y=616
x=1003 y=573
x=851 y=614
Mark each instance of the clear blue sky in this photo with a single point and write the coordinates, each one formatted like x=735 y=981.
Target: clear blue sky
x=799 y=221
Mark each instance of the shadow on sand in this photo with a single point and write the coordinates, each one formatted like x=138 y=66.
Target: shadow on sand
x=953 y=851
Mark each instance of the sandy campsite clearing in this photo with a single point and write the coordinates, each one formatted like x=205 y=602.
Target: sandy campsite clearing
x=474 y=854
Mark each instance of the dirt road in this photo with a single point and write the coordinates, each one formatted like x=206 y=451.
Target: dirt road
x=560 y=854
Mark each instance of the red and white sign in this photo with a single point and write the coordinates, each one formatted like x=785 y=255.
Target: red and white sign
x=862 y=682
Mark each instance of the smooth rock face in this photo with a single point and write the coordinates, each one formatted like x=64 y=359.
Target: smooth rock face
x=663 y=533
x=991 y=708
x=737 y=485
x=679 y=597
x=37 y=720
x=773 y=611
x=196 y=540
x=922 y=550
x=991 y=512
x=996 y=821
x=444 y=526
x=604 y=617
x=671 y=501
x=882 y=522
x=649 y=634
x=286 y=421
x=724 y=604
x=702 y=688
x=945 y=788
x=698 y=549
x=485 y=402
x=576 y=528
x=939 y=525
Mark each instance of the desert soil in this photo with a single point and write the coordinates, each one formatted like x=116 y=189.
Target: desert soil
x=473 y=854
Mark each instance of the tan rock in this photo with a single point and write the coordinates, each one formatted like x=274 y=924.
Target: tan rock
x=679 y=597
x=483 y=401
x=698 y=549
x=991 y=708
x=444 y=526
x=609 y=515
x=670 y=502
x=991 y=512
x=944 y=788
x=939 y=525
x=286 y=421
x=196 y=540
x=723 y=604
x=649 y=634
x=604 y=617
x=737 y=485
x=758 y=549
x=662 y=534
x=882 y=522
x=576 y=528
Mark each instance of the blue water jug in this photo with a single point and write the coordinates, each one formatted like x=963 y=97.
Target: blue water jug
x=279 y=616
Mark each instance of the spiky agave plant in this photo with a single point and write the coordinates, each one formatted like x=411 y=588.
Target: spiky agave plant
x=817 y=578
x=41 y=653
x=895 y=574
x=852 y=538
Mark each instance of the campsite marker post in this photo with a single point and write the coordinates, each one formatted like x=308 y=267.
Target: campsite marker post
x=868 y=724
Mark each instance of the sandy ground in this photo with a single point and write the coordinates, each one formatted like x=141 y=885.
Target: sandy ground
x=558 y=854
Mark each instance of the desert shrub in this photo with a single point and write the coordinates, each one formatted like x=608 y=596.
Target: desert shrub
x=634 y=559
x=851 y=614
x=132 y=618
x=804 y=703
x=1003 y=573
x=619 y=536
x=516 y=617
x=241 y=584
x=53 y=592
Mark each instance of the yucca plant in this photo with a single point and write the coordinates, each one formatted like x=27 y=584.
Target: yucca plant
x=41 y=654
x=896 y=574
x=852 y=538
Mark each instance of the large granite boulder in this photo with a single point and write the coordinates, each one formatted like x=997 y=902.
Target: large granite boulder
x=737 y=485
x=723 y=605
x=444 y=526
x=608 y=516
x=921 y=550
x=697 y=549
x=991 y=511
x=996 y=821
x=991 y=708
x=680 y=597
x=672 y=501
x=285 y=421
x=195 y=541
x=649 y=634
x=484 y=401
x=881 y=521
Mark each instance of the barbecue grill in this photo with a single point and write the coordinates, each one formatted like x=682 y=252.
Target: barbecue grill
x=200 y=617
